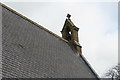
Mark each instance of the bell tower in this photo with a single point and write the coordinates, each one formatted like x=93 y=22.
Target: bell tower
x=70 y=33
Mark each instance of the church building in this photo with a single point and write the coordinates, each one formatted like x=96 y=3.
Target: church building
x=31 y=51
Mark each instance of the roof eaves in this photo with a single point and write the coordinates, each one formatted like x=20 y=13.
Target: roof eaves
x=3 y=5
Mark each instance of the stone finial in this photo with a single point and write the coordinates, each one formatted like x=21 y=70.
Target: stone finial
x=68 y=16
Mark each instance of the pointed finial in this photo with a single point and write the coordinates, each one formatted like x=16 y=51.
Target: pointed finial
x=68 y=16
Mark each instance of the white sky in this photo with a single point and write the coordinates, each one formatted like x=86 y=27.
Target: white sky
x=98 y=23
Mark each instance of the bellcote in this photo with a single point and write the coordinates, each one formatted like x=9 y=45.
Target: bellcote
x=70 y=33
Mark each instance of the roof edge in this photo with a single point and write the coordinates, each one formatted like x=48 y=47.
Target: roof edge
x=89 y=66
x=24 y=17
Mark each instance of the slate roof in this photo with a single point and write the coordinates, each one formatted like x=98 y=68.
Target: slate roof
x=31 y=51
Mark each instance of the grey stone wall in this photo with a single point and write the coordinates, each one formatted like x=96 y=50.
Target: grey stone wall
x=31 y=52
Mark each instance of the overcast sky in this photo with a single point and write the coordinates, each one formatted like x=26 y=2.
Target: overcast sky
x=98 y=23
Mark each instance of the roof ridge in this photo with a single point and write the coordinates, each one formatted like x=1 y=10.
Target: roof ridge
x=38 y=25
